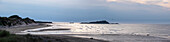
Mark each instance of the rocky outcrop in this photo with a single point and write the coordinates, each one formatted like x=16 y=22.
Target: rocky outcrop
x=15 y=20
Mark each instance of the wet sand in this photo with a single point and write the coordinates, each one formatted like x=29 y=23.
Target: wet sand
x=123 y=37
x=104 y=38
x=18 y=29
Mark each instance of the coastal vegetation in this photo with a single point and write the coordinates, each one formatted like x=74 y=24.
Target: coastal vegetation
x=4 y=33
x=5 y=36
x=15 y=20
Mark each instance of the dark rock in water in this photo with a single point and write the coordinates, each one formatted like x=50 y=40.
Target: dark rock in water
x=96 y=22
x=91 y=38
x=147 y=34
x=14 y=20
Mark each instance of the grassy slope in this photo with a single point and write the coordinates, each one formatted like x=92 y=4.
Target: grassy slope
x=6 y=37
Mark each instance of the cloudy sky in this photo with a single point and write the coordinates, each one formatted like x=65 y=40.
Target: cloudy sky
x=123 y=11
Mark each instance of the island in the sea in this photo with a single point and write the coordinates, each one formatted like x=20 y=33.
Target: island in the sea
x=98 y=22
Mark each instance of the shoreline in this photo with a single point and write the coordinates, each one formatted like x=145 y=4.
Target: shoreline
x=51 y=38
x=87 y=37
x=18 y=29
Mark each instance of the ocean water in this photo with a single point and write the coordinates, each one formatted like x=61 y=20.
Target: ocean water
x=160 y=30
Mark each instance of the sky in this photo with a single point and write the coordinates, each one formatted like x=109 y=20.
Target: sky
x=122 y=11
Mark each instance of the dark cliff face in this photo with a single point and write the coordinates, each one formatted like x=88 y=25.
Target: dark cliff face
x=15 y=20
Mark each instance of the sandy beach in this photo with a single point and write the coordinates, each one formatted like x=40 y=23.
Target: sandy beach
x=18 y=29
x=51 y=38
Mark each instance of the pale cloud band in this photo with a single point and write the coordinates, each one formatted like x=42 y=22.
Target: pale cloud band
x=163 y=3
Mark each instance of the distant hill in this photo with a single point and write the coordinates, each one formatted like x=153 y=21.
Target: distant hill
x=15 y=20
x=98 y=22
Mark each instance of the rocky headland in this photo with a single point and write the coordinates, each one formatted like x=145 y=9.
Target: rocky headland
x=15 y=20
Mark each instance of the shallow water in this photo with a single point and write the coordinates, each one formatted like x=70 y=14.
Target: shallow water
x=160 y=30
